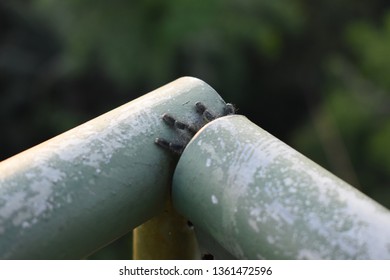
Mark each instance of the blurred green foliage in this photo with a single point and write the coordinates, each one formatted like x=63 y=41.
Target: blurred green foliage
x=356 y=105
x=313 y=73
x=138 y=39
x=371 y=43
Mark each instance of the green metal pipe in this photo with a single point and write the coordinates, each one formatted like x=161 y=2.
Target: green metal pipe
x=75 y=193
x=258 y=198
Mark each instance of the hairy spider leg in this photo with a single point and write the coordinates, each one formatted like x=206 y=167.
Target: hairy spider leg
x=189 y=130
x=171 y=121
x=176 y=148
x=229 y=109
x=202 y=109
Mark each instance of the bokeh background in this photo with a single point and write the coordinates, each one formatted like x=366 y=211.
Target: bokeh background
x=316 y=74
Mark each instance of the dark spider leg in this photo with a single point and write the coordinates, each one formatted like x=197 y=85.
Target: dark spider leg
x=202 y=109
x=229 y=109
x=171 y=121
x=187 y=131
x=176 y=148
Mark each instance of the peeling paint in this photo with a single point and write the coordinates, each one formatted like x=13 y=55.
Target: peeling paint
x=106 y=171
x=273 y=201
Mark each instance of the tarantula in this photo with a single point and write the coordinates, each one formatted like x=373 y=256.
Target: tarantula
x=187 y=131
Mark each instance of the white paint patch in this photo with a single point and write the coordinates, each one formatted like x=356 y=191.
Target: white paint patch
x=256 y=213
x=68 y=198
x=40 y=201
x=25 y=224
x=306 y=254
x=288 y=181
x=260 y=257
x=253 y=225
x=208 y=162
x=271 y=239
x=292 y=190
x=214 y=199
x=12 y=205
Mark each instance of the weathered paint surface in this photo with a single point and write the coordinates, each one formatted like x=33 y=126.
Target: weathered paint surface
x=76 y=192
x=260 y=199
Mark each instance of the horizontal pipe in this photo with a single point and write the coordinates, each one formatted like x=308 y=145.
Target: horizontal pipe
x=72 y=194
x=258 y=198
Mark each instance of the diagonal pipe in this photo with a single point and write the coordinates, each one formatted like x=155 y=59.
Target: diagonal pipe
x=253 y=197
x=75 y=193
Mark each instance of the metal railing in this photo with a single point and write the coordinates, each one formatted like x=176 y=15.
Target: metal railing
x=247 y=194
